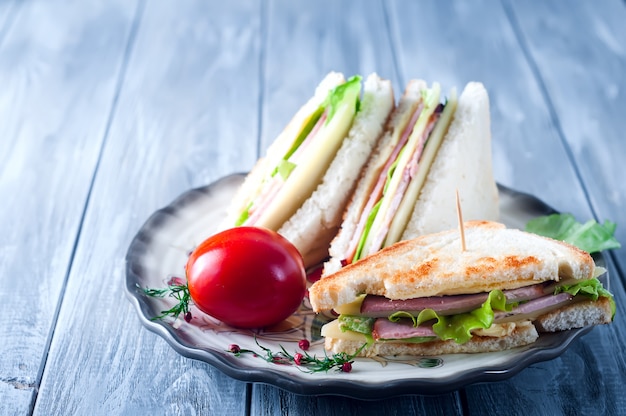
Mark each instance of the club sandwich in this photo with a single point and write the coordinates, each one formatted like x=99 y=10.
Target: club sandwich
x=434 y=295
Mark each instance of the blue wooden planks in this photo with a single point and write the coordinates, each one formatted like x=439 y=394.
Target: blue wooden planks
x=54 y=101
x=185 y=116
x=109 y=110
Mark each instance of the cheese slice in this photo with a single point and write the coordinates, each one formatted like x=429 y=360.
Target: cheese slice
x=431 y=101
x=402 y=215
x=332 y=330
x=305 y=178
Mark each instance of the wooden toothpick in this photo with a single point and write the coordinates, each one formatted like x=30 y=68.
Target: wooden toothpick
x=460 y=216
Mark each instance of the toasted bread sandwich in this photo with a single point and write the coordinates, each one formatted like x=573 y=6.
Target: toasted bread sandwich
x=428 y=295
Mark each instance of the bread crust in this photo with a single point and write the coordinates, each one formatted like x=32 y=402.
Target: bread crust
x=317 y=221
x=463 y=163
x=253 y=182
x=435 y=264
x=370 y=173
x=578 y=315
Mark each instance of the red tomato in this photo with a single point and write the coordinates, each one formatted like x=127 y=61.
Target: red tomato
x=247 y=277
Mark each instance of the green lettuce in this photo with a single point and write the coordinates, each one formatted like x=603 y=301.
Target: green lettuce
x=335 y=98
x=284 y=168
x=366 y=230
x=343 y=94
x=347 y=91
x=361 y=324
x=243 y=217
x=591 y=288
x=374 y=212
x=308 y=127
x=458 y=327
x=591 y=236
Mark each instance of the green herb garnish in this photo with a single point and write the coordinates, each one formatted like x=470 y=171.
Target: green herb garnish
x=591 y=236
x=303 y=360
x=176 y=290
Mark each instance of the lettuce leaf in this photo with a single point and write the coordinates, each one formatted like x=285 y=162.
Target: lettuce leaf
x=591 y=236
x=285 y=168
x=348 y=90
x=304 y=133
x=591 y=288
x=361 y=324
x=243 y=217
x=458 y=327
x=340 y=95
x=366 y=230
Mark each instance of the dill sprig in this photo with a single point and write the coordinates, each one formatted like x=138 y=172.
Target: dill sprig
x=178 y=291
x=303 y=360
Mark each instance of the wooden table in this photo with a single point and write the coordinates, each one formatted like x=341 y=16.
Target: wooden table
x=110 y=109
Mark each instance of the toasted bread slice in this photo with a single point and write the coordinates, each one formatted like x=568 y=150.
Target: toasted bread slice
x=577 y=315
x=495 y=258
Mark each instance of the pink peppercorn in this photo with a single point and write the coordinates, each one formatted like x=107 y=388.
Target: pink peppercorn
x=304 y=344
x=346 y=367
x=297 y=358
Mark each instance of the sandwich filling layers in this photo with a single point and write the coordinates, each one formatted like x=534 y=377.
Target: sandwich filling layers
x=305 y=157
x=431 y=295
x=394 y=193
x=457 y=317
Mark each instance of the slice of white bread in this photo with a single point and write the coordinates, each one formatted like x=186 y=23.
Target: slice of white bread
x=578 y=315
x=463 y=163
x=435 y=264
x=315 y=224
x=367 y=180
x=523 y=334
x=253 y=182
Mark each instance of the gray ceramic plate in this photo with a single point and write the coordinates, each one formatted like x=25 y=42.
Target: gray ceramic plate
x=159 y=252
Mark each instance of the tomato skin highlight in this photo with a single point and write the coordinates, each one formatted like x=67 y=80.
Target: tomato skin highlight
x=247 y=277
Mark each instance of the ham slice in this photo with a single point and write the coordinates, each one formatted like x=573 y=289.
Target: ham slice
x=377 y=191
x=407 y=174
x=385 y=329
x=534 y=308
x=378 y=306
x=403 y=329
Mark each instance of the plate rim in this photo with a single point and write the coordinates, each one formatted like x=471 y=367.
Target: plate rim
x=317 y=386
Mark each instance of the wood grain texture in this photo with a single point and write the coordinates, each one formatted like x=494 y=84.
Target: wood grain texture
x=55 y=96
x=8 y=10
x=173 y=128
x=583 y=69
x=271 y=401
x=111 y=109
x=305 y=41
